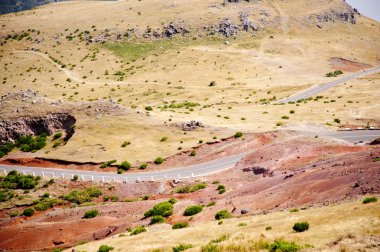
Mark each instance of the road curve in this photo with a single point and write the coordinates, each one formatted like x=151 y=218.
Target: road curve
x=320 y=88
x=191 y=171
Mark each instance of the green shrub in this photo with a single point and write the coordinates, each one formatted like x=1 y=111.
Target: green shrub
x=159 y=160
x=30 y=143
x=182 y=247
x=238 y=134
x=285 y=117
x=45 y=204
x=369 y=200
x=193 y=153
x=28 y=212
x=105 y=248
x=172 y=201
x=221 y=187
x=283 y=246
x=157 y=219
x=301 y=226
x=108 y=163
x=223 y=214
x=125 y=166
x=14 y=214
x=337 y=120
x=180 y=225
x=268 y=228
x=15 y=180
x=212 y=203
x=75 y=177
x=193 y=210
x=220 y=239
x=148 y=108
x=292 y=112
x=143 y=166
x=189 y=189
x=221 y=191
x=138 y=230
x=91 y=214
x=163 y=209
x=294 y=210
x=57 y=135
x=82 y=196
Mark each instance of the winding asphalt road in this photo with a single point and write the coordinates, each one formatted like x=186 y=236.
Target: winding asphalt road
x=320 y=88
x=191 y=171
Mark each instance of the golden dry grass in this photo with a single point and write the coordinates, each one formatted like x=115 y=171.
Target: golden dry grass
x=351 y=226
x=246 y=70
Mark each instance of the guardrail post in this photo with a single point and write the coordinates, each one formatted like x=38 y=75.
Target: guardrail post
x=82 y=177
x=103 y=179
x=126 y=180
x=23 y=172
x=92 y=178
x=63 y=175
x=166 y=177
x=52 y=174
x=179 y=176
x=192 y=174
x=72 y=176
x=138 y=178
x=152 y=178
x=5 y=171
x=33 y=174
x=114 y=179
x=43 y=174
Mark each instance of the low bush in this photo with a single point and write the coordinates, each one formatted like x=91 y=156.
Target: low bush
x=369 y=200
x=193 y=210
x=283 y=246
x=148 y=108
x=212 y=203
x=30 y=143
x=189 y=189
x=15 y=180
x=172 y=201
x=157 y=219
x=81 y=196
x=159 y=160
x=57 y=135
x=180 y=225
x=105 y=248
x=238 y=134
x=91 y=214
x=223 y=214
x=212 y=84
x=163 y=209
x=28 y=212
x=108 y=163
x=220 y=239
x=143 y=166
x=301 y=226
x=193 y=153
x=45 y=204
x=337 y=120
x=182 y=247
x=125 y=144
x=294 y=210
x=125 y=166
x=138 y=230
x=14 y=214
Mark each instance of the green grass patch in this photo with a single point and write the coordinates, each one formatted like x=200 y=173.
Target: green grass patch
x=190 y=189
x=369 y=200
x=163 y=209
x=192 y=210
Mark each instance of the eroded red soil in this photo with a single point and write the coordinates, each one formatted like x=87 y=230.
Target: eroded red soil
x=284 y=170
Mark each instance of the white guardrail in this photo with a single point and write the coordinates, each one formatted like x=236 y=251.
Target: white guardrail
x=102 y=178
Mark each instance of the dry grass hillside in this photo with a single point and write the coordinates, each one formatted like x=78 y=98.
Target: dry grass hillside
x=165 y=55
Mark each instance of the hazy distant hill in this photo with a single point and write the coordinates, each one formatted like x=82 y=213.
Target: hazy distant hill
x=7 y=6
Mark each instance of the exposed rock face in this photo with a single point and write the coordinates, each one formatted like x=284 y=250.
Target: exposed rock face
x=175 y=28
x=345 y=15
x=375 y=142
x=228 y=28
x=192 y=125
x=10 y=130
x=247 y=25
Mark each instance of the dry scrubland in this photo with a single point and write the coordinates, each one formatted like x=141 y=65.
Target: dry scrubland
x=287 y=54
x=343 y=227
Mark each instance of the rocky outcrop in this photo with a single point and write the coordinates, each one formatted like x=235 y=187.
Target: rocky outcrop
x=347 y=15
x=189 y=126
x=228 y=28
x=175 y=28
x=10 y=130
